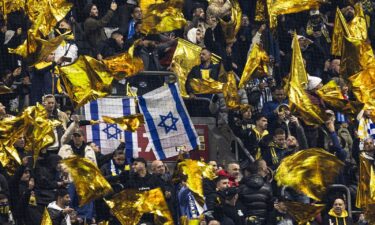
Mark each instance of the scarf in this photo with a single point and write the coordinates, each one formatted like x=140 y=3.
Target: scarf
x=366 y=128
x=343 y=215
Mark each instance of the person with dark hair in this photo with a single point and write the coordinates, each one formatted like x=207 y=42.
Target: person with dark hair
x=204 y=71
x=256 y=138
x=221 y=183
x=59 y=210
x=255 y=193
x=116 y=165
x=136 y=17
x=94 y=27
x=5 y=213
x=112 y=46
x=280 y=215
x=338 y=215
x=274 y=152
x=232 y=210
x=278 y=97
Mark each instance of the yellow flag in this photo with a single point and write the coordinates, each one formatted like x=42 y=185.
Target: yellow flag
x=124 y=65
x=257 y=59
x=9 y=158
x=372 y=184
x=161 y=16
x=331 y=94
x=36 y=49
x=85 y=80
x=232 y=27
x=309 y=171
x=46 y=219
x=358 y=26
x=206 y=86
x=303 y=213
x=261 y=11
x=87 y=178
x=129 y=205
x=281 y=7
x=298 y=99
x=8 y=6
x=340 y=30
x=364 y=195
x=129 y=123
x=362 y=84
x=356 y=56
x=39 y=133
x=230 y=92
x=185 y=57
x=45 y=14
x=195 y=171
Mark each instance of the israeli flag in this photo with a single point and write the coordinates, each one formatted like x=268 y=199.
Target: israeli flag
x=168 y=124
x=108 y=136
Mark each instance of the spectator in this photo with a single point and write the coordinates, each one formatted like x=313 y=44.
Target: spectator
x=112 y=46
x=232 y=211
x=5 y=213
x=256 y=194
x=213 y=198
x=136 y=17
x=279 y=214
x=94 y=27
x=278 y=97
x=77 y=145
x=275 y=151
x=338 y=214
x=59 y=210
x=205 y=70
x=257 y=137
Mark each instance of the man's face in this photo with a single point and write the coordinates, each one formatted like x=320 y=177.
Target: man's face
x=205 y=55
x=368 y=145
x=263 y=169
x=119 y=40
x=199 y=36
x=119 y=159
x=245 y=21
x=213 y=164
x=279 y=140
x=78 y=139
x=335 y=66
x=137 y=14
x=338 y=206
x=222 y=184
x=247 y=114
x=291 y=142
x=94 y=11
x=25 y=176
x=2 y=109
x=20 y=143
x=158 y=167
x=262 y=123
x=49 y=104
x=66 y=200
x=349 y=13
x=234 y=170
x=138 y=166
x=279 y=95
x=199 y=13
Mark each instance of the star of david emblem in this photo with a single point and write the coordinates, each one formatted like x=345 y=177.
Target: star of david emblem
x=168 y=122
x=112 y=131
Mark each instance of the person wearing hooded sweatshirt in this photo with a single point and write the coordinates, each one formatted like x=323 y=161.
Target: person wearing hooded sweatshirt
x=338 y=215
x=59 y=210
x=93 y=26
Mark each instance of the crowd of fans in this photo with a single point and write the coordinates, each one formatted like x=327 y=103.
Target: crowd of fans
x=244 y=192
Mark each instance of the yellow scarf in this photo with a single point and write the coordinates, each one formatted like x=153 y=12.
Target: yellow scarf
x=343 y=215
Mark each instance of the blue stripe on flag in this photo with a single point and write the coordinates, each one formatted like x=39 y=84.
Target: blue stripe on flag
x=184 y=117
x=94 y=111
x=153 y=131
x=128 y=135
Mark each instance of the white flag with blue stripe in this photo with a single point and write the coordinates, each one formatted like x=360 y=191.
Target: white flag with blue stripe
x=168 y=124
x=108 y=136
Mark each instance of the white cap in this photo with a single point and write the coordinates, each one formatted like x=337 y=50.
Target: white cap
x=313 y=82
x=314 y=12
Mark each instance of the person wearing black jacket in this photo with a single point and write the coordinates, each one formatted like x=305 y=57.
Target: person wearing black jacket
x=232 y=210
x=256 y=194
x=59 y=210
x=112 y=46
